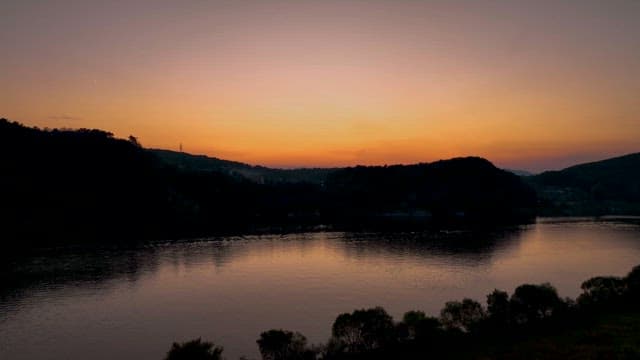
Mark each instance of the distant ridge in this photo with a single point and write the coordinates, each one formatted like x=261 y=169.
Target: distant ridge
x=256 y=173
x=606 y=187
x=519 y=172
x=259 y=173
x=600 y=169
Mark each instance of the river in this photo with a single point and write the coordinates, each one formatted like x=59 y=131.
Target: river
x=132 y=302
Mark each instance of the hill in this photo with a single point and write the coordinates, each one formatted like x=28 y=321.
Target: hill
x=607 y=187
x=85 y=184
x=62 y=182
x=59 y=185
x=259 y=174
x=468 y=188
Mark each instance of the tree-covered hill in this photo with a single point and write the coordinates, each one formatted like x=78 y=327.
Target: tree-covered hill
x=59 y=185
x=86 y=184
x=607 y=187
x=465 y=188
x=260 y=174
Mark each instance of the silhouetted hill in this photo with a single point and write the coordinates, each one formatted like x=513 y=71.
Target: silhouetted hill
x=259 y=174
x=84 y=185
x=62 y=181
x=604 y=187
x=71 y=184
x=462 y=188
x=184 y=161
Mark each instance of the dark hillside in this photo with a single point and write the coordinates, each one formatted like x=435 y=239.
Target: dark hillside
x=259 y=174
x=84 y=185
x=605 y=187
x=468 y=189
x=66 y=182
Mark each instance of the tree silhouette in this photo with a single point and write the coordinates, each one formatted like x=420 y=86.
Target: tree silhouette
x=419 y=326
x=283 y=345
x=498 y=309
x=532 y=303
x=463 y=316
x=633 y=282
x=134 y=140
x=602 y=290
x=363 y=330
x=194 y=350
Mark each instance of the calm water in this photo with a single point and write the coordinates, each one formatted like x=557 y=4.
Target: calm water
x=132 y=303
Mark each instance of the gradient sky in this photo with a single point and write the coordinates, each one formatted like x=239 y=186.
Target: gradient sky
x=527 y=84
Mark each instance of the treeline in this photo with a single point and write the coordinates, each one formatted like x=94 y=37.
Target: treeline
x=464 y=329
x=86 y=184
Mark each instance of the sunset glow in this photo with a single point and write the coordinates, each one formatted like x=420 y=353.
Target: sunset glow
x=529 y=85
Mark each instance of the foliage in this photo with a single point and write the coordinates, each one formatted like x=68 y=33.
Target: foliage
x=363 y=330
x=633 y=282
x=463 y=316
x=532 y=303
x=416 y=325
x=284 y=345
x=602 y=290
x=194 y=350
x=498 y=309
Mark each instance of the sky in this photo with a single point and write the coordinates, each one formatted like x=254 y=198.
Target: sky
x=530 y=85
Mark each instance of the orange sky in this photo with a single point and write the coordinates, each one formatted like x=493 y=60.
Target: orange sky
x=526 y=84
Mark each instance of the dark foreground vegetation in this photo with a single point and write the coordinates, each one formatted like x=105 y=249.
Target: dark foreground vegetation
x=532 y=323
x=76 y=185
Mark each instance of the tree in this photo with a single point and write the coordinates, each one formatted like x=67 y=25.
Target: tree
x=633 y=282
x=195 y=350
x=134 y=140
x=283 y=345
x=530 y=303
x=602 y=290
x=463 y=316
x=498 y=307
x=419 y=326
x=363 y=330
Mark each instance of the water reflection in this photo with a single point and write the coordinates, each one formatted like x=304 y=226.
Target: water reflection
x=470 y=248
x=96 y=266
x=132 y=302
